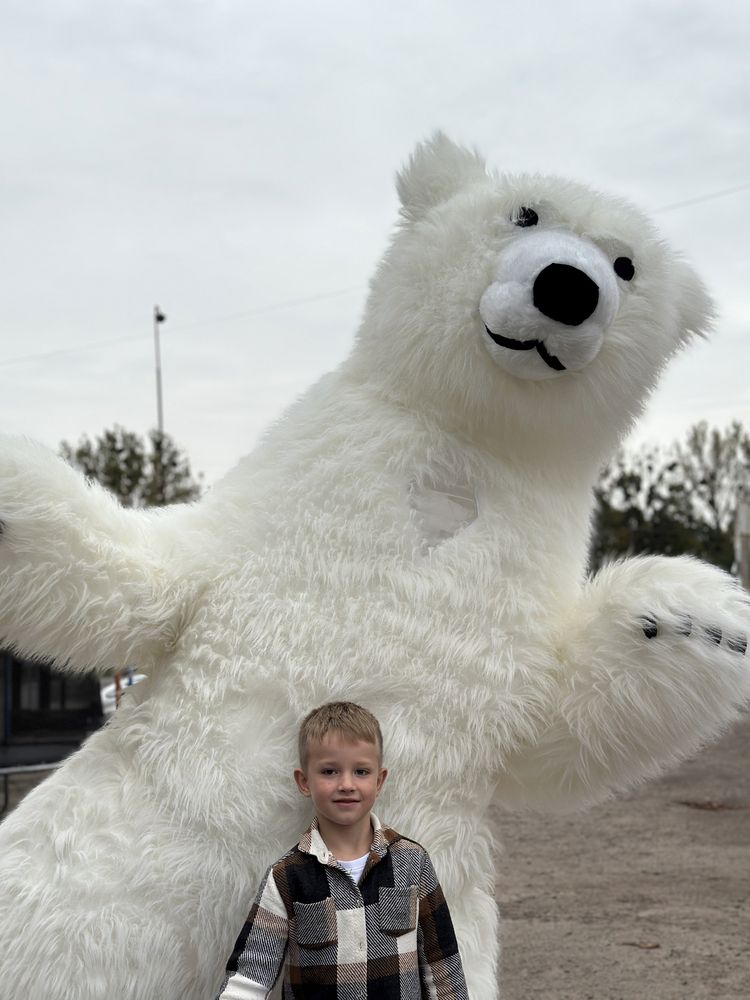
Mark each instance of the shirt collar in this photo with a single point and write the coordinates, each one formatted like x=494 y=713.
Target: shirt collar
x=311 y=842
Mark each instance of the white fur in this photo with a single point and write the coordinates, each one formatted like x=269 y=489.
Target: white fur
x=306 y=575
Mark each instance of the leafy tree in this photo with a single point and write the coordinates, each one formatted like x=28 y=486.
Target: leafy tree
x=679 y=500
x=149 y=472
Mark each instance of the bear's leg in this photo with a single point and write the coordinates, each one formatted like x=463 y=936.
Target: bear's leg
x=475 y=919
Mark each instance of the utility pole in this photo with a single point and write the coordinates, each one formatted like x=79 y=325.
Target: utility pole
x=742 y=542
x=159 y=318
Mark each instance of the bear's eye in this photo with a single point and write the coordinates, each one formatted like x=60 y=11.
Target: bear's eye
x=624 y=268
x=525 y=217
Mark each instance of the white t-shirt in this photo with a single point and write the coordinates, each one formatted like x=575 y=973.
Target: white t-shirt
x=354 y=868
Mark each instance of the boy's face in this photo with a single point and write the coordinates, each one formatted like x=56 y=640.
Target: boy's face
x=342 y=778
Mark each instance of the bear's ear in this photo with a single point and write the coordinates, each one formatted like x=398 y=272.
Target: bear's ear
x=697 y=311
x=436 y=170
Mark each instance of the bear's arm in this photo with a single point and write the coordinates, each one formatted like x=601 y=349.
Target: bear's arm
x=645 y=666
x=83 y=581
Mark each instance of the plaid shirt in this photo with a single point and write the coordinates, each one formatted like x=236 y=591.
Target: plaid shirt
x=389 y=937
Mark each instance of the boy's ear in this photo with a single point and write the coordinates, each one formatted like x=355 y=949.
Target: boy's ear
x=301 y=780
x=382 y=775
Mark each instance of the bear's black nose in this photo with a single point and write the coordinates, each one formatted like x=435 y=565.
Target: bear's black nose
x=566 y=294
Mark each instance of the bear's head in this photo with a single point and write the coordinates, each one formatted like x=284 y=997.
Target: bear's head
x=527 y=313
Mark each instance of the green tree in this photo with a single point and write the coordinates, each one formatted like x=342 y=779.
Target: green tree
x=679 y=500
x=150 y=472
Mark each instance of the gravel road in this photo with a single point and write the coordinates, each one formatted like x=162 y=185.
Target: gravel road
x=644 y=898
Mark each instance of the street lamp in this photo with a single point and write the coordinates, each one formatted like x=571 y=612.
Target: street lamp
x=159 y=317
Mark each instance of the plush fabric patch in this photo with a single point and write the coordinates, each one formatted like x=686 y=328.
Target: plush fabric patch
x=441 y=510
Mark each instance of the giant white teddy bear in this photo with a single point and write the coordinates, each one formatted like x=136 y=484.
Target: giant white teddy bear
x=411 y=535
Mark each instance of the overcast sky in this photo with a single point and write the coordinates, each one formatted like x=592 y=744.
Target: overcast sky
x=233 y=161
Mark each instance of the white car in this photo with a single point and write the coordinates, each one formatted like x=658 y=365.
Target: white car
x=108 y=691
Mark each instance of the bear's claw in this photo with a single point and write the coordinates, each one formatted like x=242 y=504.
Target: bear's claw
x=713 y=632
x=649 y=626
x=684 y=627
x=738 y=644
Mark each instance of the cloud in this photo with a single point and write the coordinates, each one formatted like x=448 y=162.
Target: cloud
x=219 y=158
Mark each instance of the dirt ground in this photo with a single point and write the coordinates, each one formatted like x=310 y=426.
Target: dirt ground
x=644 y=898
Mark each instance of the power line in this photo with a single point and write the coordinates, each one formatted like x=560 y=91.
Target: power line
x=705 y=197
x=286 y=304
x=72 y=350
x=290 y=303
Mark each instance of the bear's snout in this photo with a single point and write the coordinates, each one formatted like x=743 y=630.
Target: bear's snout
x=566 y=294
x=553 y=298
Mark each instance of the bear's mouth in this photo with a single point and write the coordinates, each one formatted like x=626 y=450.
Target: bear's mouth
x=528 y=345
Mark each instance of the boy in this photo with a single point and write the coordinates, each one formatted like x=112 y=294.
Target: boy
x=356 y=907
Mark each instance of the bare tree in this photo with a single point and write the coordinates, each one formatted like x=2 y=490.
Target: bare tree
x=682 y=499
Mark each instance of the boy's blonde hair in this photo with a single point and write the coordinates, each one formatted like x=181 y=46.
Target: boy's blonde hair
x=343 y=717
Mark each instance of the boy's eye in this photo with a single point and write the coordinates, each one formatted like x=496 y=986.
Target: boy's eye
x=362 y=771
x=327 y=770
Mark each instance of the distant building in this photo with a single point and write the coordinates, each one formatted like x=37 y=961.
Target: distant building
x=40 y=705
